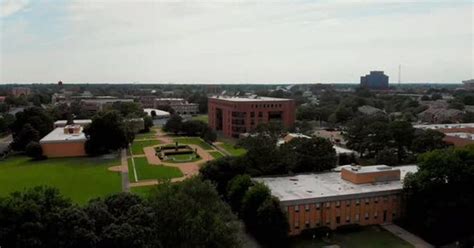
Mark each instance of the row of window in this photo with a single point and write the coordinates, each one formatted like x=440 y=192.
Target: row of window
x=347 y=202
x=266 y=105
x=347 y=220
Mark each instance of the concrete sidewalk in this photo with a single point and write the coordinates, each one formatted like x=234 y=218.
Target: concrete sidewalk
x=407 y=236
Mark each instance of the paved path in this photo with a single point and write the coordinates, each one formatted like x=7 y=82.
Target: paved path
x=124 y=172
x=188 y=169
x=222 y=150
x=407 y=236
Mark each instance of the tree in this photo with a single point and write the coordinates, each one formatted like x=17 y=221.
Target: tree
x=191 y=214
x=24 y=137
x=386 y=156
x=309 y=155
x=128 y=109
x=263 y=157
x=38 y=118
x=148 y=123
x=107 y=132
x=34 y=150
x=263 y=216
x=402 y=134
x=221 y=171
x=209 y=135
x=427 y=140
x=193 y=127
x=173 y=124
x=29 y=218
x=236 y=189
x=443 y=184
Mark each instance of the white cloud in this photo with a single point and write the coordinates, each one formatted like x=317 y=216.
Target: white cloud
x=10 y=7
x=246 y=41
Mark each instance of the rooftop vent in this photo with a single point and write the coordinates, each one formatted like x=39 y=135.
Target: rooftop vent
x=384 y=168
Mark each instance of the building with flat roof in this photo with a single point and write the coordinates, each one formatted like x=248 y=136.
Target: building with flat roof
x=364 y=195
x=376 y=80
x=93 y=105
x=457 y=134
x=468 y=84
x=179 y=105
x=235 y=115
x=80 y=122
x=66 y=141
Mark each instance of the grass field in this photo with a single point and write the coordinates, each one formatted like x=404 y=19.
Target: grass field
x=182 y=158
x=147 y=171
x=142 y=191
x=203 y=118
x=193 y=141
x=216 y=154
x=148 y=135
x=367 y=237
x=80 y=179
x=232 y=149
x=137 y=146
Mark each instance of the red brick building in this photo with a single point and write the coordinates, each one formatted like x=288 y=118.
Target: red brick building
x=367 y=195
x=236 y=115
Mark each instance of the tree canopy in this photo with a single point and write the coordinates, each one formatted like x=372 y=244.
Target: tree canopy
x=107 y=132
x=439 y=197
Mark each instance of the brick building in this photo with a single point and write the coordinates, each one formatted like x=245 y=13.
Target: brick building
x=236 y=115
x=457 y=134
x=179 y=105
x=66 y=141
x=21 y=91
x=356 y=195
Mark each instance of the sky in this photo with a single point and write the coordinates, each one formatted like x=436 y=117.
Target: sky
x=230 y=41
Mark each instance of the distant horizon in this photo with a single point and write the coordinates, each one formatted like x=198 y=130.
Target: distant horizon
x=203 y=83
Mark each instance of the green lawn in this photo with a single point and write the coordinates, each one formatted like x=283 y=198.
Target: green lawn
x=216 y=154
x=367 y=237
x=147 y=171
x=194 y=141
x=182 y=158
x=142 y=191
x=232 y=149
x=137 y=146
x=203 y=118
x=148 y=135
x=80 y=179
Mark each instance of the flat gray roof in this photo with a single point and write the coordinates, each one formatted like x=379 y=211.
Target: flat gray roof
x=80 y=121
x=249 y=99
x=58 y=136
x=321 y=186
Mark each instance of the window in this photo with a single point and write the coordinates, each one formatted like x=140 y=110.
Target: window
x=260 y=114
x=348 y=203
x=328 y=204
x=297 y=208
x=375 y=215
x=394 y=214
x=318 y=205
x=338 y=219
x=367 y=201
x=357 y=202
x=307 y=224
x=366 y=216
x=357 y=217
x=306 y=207
x=376 y=199
x=252 y=114
x=348 y=219
x=338 y=204
x=297 y=225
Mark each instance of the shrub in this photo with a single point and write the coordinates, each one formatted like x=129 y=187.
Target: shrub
x=34 y=150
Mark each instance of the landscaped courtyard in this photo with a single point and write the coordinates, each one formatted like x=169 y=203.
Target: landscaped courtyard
x=80 y=179
x=138 y=145
x=194 y=141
